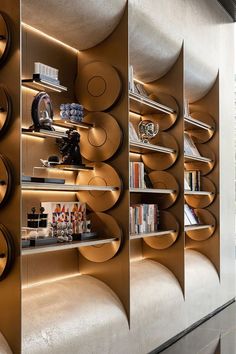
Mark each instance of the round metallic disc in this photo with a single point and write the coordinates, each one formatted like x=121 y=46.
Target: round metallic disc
x=206 y=218
x=201 y=135
x=6 y=252
x=102 y=175
x=167 y=222
x=202 y=201
x=106 y=227
x=161 y=161
x=165 y=120
x=5 y=110
x=4 y=38
x=5 y=180
x=100 y=142
x=164 y=180
x=98 y=86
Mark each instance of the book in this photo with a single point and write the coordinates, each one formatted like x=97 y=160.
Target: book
x=191 y=216
x=137 y=175
x=189 y=146
x=192 y=180
x=133 y=136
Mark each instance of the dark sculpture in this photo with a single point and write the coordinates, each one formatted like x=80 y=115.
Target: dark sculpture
x=70 y=149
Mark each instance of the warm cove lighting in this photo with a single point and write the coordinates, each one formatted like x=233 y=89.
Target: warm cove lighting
x=48 y=37
x=140 y=82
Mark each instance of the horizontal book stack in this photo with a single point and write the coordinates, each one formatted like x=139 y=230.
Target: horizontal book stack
x=192 y=180
x=144 y=218
x=190 y=218
x=137 y=175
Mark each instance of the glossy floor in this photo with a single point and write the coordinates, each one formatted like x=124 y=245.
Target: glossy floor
x=215 y=336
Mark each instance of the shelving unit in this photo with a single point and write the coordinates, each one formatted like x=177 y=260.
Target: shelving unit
x=65 y=188
x=152 y=190
x=41 y=85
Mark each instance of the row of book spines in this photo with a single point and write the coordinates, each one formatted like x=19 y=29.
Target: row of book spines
x=193 y=179
x=144 y=218
x=137 y=175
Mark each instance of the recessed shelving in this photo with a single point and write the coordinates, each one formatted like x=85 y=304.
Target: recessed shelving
x=152 y=190
x=65 y=187
x=66 y=246
x=40 y=85
x=196 y=227
x=197 y=123
x=190 y=158
x=68 y=124
x=198 y=193
x=144 y=105
x=151 y=234
x=143 y=148
x=45 y=133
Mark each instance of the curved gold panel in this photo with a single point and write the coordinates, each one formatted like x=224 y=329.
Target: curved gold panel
x=161 y=161
x=202 y=201
x=5 y=110
x=167 y=222
x=4 y=38
x=6 y=252
x=100 y=142
x=164 y=180
x=103 y=175
x=205 y=218
x=105 y=226
x=165 y=120
x=201 y=135
x=204 y=167
x=5 y=180
x=98 y=86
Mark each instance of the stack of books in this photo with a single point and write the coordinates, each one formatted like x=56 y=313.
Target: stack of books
x=190 y=218
x=144 y=218
x=189 y=146
x=192 y=180
x=137 y=175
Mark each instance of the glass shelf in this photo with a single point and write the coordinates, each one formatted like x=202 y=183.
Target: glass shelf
x=197 y=123
x=65 y=187
x=198 y=193
x=144 y=148
x=41 y=85
x=45 y=133
x=150 y=234
x=66 y=246
x=190 y=158
x=151 y=190
x=144 y=105
x=196 y=227
x=68 y=124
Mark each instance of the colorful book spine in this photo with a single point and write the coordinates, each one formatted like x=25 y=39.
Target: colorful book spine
x=144 y=218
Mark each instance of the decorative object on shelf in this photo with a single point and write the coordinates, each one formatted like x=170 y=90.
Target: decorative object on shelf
x=102 y=141
x=192 y=180
x=105 y=226
x=165 y=180
x=138 y=87
x=7 y=252
x=147 y=130
x=5 y=180
x=207 y=219
x=167 y=222
x=200 y=126
x=98 y=86
x=42 y=112
x=70 y=148
x=198 y=200
x=73 y=112
x=33 y=219
x=161 y=161
x=190 y=218
x=43 y=180
x=102 y=175
x=5 y=38
x=5 y=110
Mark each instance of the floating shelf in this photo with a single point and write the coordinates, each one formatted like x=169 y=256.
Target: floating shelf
x=150 y=234
x=45 y=133
x=68 y=124
x=66 y=246
x=196 y=227
x=144 y=105
x=151 y=190
x=65 y=187
x=41 y=85
x=66 y=168
x=197 y=158
x=197 y=123
x=198 y=193
x=144 y=148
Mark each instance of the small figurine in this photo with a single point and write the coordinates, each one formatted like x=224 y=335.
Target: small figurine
x=70 y=149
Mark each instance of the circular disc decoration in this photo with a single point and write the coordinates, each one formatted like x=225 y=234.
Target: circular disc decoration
x=199 y=200
x=5 y=110
x=164 y=180
x=165 y=120
x=201 y=135
x=5 y=180
x=206 y=218
x=161 y=161
x=4 y=38
x=167 y=222
x=102 y=175
x=105 y=226
x=100 y=142
x=6 y=252
x=98 y=86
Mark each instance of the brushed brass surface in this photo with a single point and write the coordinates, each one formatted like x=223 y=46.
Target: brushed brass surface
x=204 y=167
x=100 y=142
x=167 y=222
x=165 y=180
x=5 y=110
x=205 y=217
x=6 y=252
x=164 y=120
x=5 y=38
x=160 y=161
x=5 y=180
x=102 y=175
x=202 y=201
x=201 y=135
x=100 y=87
x=106 y=226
